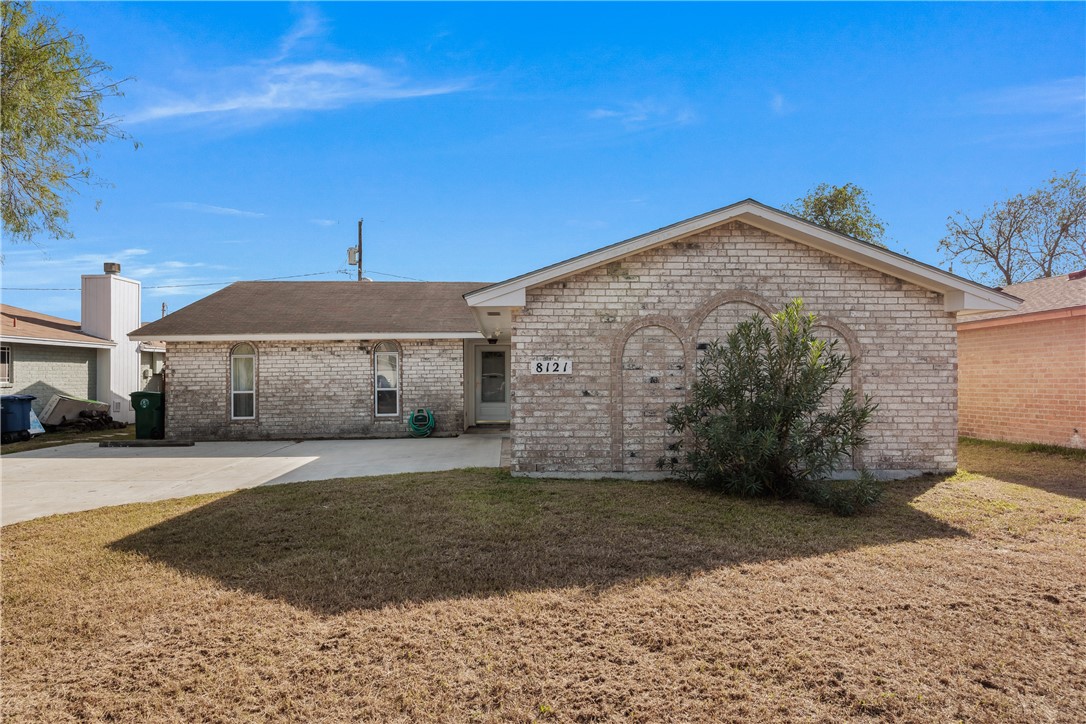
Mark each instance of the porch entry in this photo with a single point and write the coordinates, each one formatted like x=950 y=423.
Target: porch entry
x=491 y=383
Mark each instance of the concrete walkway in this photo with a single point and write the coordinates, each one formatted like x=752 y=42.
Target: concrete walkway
x=85 y=476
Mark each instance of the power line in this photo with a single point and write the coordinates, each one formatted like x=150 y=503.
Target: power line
x=178 y=286
x=395 y=276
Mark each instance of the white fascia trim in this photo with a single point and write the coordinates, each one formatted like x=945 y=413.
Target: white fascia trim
x=959 y=293
x=302 y=337
x=512 y=292
x=58 y=342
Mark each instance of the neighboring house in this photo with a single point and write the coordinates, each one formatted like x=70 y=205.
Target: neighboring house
x=42 y=355
x=583 y=357
x=1022 y=373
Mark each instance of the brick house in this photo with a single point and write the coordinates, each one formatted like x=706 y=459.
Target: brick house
x=581 y=358
x=318 y=359
x=1022 y=373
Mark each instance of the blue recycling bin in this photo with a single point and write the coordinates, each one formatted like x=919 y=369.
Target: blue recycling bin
x=15 y=417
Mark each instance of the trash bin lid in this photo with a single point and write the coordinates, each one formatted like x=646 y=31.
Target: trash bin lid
x=17 y=398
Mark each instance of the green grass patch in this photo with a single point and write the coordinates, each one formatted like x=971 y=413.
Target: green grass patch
x=1026 y=447
x=68 y=437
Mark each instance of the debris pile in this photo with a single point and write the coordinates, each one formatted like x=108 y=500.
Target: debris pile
x=88 y=420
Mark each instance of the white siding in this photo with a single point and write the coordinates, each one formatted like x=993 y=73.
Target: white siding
x=111 y=309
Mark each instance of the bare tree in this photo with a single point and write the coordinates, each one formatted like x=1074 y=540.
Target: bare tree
x=1056 y=240
x=1040 y=234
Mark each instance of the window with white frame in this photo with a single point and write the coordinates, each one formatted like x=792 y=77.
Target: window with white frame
x=5 y=365
x=243 y=382
x=386 y=379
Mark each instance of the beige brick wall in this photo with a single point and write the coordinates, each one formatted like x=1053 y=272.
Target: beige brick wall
x=1024 y=382
x=606 y=416
x=45 y=370
x=310 y=390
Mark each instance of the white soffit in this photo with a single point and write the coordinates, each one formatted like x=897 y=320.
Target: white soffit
x=496 y=322
x=959 y=294
x=104 y=344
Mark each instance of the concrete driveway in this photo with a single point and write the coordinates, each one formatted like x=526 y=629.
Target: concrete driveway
x=85 y=476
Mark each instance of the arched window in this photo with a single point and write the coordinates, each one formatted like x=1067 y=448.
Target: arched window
x=386 y=379
x=243 y=382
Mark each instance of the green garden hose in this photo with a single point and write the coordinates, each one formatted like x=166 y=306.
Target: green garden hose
x=421 y=423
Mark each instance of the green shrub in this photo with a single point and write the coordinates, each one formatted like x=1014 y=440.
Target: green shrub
x=845 y=497
x=759 y=420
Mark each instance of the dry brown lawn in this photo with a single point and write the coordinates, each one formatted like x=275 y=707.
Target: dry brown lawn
x=471 y=596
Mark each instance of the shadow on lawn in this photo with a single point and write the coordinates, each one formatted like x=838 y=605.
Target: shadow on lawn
x=339 y=545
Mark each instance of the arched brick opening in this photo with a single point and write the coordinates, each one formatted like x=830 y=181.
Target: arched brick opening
x=831 y=328
x=648 y=375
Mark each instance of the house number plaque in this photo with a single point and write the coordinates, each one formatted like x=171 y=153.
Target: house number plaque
x=552 y=367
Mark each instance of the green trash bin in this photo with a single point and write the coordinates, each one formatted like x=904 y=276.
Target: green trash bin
x=150 y=410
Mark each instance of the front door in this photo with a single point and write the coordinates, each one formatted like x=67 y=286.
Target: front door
x=491 y=383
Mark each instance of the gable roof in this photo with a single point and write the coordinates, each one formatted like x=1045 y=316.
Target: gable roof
x=29 y=327
x=257 y=311
x=960 y=294
x=1065 y=292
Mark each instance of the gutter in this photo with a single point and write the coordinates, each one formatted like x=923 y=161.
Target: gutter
x=1041 y=316
x=59 y=342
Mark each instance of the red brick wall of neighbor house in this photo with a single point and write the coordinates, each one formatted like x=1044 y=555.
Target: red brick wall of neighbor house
x=1024 y=382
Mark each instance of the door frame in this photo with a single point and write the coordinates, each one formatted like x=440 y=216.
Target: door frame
x=471 y=346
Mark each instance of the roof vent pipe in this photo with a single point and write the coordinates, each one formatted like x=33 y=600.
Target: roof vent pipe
x=111 y=267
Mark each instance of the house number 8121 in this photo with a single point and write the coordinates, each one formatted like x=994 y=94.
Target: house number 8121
x=552 y=367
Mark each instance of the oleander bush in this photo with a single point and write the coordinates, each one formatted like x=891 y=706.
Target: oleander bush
x=761 y=420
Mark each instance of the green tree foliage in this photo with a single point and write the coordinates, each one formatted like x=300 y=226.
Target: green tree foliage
x=1029 y=236
x=844 y=209
x=51 y=117
x=760 y=420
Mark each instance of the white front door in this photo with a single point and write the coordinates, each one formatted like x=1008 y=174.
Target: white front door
x=491 y=383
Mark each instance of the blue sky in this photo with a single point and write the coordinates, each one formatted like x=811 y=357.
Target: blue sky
x=482 y=141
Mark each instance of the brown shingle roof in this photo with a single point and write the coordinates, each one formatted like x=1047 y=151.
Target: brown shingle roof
x=1040 y=295
x=18 y=325
x=353 y=309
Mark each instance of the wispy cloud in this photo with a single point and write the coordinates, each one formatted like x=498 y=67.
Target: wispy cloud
x=1030 y=116
x=209 y=209
x=266 y=87
x=323 y=222
x=641 y=115
x=1065 y=95
x=311 y=24
x=135 y=263
x=60 y=269
x=780 y=105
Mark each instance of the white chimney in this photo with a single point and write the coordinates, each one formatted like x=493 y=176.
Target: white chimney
x=111 y=309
